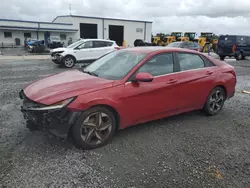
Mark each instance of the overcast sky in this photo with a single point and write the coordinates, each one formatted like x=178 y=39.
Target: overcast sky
x=218 y=16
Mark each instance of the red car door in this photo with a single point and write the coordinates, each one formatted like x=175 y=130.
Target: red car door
x=197 y=77
x=144 y=101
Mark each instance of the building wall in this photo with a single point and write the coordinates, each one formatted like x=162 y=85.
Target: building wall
x=20 y=34
x=130 y=28
x=129 y=34
x=148 y=32
x=19 y=27
x=76 y=24
x=65 y=25
x=15 y=34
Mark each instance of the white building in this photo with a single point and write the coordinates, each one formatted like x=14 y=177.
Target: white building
x=72 y=26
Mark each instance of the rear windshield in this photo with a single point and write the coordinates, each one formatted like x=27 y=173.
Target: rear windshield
x=236 y=39
x=227 y=39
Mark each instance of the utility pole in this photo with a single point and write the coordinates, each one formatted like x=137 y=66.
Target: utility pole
x=70 y=9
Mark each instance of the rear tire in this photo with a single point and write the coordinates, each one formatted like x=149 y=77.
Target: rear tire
x=222 y=57
x=89 y=132
x=240 y=56
x=215 y=101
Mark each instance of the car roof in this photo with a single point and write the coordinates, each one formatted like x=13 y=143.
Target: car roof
x=159 y=49
x=98 y=40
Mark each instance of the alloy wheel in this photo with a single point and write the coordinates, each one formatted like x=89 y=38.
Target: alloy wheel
x=240 y=56
x=216 y=101
x=96 y=128
x=69 y=62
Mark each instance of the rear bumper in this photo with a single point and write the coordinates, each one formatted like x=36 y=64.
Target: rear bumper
x=58 y=121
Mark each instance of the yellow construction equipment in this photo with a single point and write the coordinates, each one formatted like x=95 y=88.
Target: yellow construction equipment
x=190 y=36
x=177 y=35
x=163 y=40
x=205 y=40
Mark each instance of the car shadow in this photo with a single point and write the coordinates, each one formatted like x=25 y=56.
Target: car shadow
x=68 y=143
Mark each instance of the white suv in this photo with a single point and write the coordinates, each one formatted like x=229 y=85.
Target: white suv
x=83 y=50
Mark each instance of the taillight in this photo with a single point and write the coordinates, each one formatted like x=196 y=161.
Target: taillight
x=117 y=48
x=234 y=48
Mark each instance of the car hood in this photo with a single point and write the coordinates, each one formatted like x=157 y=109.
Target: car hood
x=58 y=87
x=58 y=50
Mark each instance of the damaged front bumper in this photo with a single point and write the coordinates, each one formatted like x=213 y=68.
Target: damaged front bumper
x=57 y=58
x=56 y=121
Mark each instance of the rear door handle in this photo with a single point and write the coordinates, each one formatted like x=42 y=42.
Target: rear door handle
x=172 y=81
x=209 y=72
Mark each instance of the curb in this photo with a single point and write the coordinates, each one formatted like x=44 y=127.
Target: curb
x=25 y=57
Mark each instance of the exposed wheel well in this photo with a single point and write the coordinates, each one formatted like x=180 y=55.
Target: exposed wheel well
x=223 y=87
x=117 y=115
x=71 y=56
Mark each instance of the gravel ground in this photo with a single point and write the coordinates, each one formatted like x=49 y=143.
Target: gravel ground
x=189 y=150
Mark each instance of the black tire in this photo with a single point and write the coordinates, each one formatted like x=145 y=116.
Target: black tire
x=77 y=128
x=69 y=61
x=208 y=108
x=240 y=56
x=58 y=63
x=222 y=57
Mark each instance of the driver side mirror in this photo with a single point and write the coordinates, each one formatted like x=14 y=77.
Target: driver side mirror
x=143 y=77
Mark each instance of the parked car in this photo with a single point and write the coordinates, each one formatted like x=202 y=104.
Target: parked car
x=36 y=47
x=188 y=45
x=127 y=87
x=140 y=42
x=83 y=50
x=55 y=42
x=32 y=41
x=237 y=46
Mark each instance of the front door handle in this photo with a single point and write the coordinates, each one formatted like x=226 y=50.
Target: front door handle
x=209 y=72
x=172 y=81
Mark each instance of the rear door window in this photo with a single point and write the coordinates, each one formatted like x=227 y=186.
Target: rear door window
x=190 y=61
x=108 y=43
x=99 y=44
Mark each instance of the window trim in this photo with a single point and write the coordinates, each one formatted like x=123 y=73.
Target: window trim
x=8 y=32
x=63 y=34
x=30 y=36
x=202 y=58
x=175 y=70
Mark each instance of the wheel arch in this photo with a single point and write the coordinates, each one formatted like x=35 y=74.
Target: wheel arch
x=70 y=55
x=223 y=87
x=113 y=110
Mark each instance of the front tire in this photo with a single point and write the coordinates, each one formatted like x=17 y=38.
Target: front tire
x=215 y=101
x=69 y=61
x=94 y=128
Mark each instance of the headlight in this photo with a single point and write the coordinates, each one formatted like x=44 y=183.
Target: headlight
x=57 y=105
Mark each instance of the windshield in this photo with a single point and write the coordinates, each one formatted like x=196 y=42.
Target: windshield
x=174 y=44
x=115 y=65
x=75 y=44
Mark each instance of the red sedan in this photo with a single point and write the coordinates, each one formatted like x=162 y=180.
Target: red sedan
x=124 y=88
